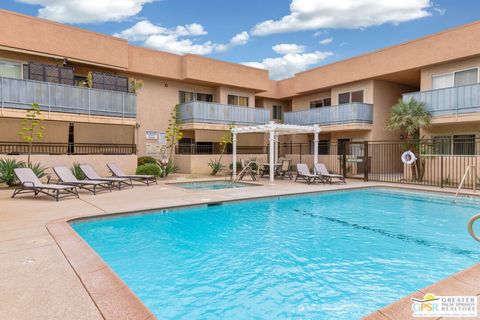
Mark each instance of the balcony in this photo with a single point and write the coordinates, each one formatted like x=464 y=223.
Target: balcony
x=449 y=101
x=54 y=97
x=351 y=113
x=224 y=114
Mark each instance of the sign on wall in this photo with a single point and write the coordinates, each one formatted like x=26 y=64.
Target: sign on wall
x=162 y=138
x=151 y=135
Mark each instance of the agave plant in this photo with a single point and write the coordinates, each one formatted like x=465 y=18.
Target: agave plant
x=7 y=166
x=37 y=168
x=77 y=172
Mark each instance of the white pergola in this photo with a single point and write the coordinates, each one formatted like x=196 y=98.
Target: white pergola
x=275 y=130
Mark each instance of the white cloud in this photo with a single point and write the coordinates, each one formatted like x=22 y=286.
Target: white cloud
x=87 y=11
x=176 y=40
x=347 y=14
x=326 y=41
x=290 y=63
x=286 y=48
x=238 y=40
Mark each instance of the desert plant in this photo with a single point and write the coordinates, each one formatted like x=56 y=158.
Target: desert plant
x=173 y=134
x=37 y=168
x=168 y=168
x=7 y=174
x=149 y=169
x=77 y=172
x=90 y=79
x=145 y=159
x=134 y=85
x=32 y=128
x=410 y=116
x=216 y=166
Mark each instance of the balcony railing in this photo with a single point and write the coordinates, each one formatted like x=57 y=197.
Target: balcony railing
x=54 y=97
x=449 y=101
x=342 y=114
x=16 y=148
x=216 y=113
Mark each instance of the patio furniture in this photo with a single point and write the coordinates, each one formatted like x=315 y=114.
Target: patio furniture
x=303 y=173
x=322 y=170
x=30 y=183
x=264 y=169
x=247 y=169
x=284 y=169
x=143 y=178
x=66 y=177
x=91 y=174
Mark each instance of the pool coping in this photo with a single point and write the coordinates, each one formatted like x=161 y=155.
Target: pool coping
x=114 y=299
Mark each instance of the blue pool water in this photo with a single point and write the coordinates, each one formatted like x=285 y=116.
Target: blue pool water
x=212 y=185
x=336 y=255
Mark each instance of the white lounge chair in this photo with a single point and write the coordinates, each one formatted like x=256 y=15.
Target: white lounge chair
x=91 y=174
x=303 y=173
x=322 y=170
x=143 y=178
x=30 y=183
x=66 y=177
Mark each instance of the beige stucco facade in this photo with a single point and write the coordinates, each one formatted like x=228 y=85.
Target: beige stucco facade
x=383 y=76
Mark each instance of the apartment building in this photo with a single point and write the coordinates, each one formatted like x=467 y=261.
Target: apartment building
x=81 y=80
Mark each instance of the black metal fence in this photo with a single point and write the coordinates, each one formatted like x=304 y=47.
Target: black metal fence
x=17 y=148
x=441 y=161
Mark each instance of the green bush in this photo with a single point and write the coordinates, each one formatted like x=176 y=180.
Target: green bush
x=77 y=172
x=216 y=166
x=7 y=174
x=149 y=168
x=37 y=168
x=144 y=160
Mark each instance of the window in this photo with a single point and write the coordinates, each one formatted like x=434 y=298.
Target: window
x=455 y=145
x=357 y=96
x=320 y=103
x=455 y=79
x=466 y=77
x=187 y=96
x=344 y=98
x=237 y=100
x=464 y=145
x=277 y=113
x=11 y=70
x=323 y=147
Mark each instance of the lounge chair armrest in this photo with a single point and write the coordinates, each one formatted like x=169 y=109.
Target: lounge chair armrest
x=31 y=184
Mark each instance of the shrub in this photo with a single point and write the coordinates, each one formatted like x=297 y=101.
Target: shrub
x=216 y=166
x=169 y=168
x=37 y=168
x=149 y=168
x=77 y=172
x=144 y=160
x=7 y=174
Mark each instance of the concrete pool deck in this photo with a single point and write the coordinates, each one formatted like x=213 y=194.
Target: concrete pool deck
x=39 y=282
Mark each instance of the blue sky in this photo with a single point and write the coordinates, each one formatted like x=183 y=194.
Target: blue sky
x=283 y=36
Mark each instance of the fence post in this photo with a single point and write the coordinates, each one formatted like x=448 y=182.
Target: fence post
x=123 y=105
x=366 y=166
x=441 y=171
x=344 y=158
x=89 y=101
x=300 y=152
x=49 y=99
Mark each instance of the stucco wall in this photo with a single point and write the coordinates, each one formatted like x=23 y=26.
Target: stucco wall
x=55 y=131
x=427 y=73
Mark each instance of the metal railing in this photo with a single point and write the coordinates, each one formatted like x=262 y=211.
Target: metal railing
x=341 y=114
x=216 y=113
x=54 y=97
x=449 y=101
x=215 y=149
x=18 y=148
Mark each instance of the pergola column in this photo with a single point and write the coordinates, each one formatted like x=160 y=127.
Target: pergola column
x=234 y=155
x=276 y=147
x=272 y=155
x=315 y=147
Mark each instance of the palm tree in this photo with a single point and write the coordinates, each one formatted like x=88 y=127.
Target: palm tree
x=410 y=116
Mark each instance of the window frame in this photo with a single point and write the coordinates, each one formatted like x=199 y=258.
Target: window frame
x=277 y=112
x=195 y=96
x=450 y=138
x=21 y=64
x=453 y=74
x=350 y=96
x=236 y=98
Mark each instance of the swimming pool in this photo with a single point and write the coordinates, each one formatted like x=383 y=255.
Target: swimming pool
x=212 y=185
x=335 y=255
